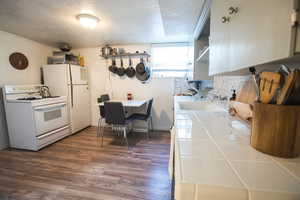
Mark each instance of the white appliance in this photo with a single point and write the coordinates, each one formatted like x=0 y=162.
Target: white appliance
x=34 y=122
x=71 y=81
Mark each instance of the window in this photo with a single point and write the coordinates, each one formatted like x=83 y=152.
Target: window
x=171 y=60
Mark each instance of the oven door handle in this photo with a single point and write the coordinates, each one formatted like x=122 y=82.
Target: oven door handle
x=50 y=107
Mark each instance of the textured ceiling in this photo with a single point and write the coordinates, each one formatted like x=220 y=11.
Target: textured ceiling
x=122 y=21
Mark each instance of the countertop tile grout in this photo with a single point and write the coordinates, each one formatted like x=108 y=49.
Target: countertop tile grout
x=229 y=163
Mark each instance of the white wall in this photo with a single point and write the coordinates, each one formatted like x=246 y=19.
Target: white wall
x=102 y=81
x=37 y=56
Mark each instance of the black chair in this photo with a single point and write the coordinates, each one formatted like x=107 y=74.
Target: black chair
x=102 y=98
x=145 y=117
x=115 y=115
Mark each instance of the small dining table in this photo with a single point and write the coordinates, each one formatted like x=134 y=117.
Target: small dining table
x=128 y=103
x=129 y=106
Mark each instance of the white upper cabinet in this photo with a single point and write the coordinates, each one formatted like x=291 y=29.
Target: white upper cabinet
x=246 y=33
x=219 y=41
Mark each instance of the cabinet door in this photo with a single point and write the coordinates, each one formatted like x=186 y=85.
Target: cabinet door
x=260 y=32
x=219 y=41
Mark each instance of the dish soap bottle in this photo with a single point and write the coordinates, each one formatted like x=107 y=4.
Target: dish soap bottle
x=233 y=97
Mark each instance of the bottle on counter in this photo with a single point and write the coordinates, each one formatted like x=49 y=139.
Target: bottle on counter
x=129 y=97
x=233 y=97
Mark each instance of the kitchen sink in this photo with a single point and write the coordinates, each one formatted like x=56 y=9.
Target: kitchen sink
x=200 y=105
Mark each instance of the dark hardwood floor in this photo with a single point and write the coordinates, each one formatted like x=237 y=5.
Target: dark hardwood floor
x=78 y=168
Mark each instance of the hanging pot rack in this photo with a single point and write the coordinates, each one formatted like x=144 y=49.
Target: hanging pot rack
x=129 y=55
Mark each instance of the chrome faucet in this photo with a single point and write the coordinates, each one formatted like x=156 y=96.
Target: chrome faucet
x=224 y=98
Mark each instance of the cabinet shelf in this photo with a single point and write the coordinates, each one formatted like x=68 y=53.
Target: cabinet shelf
x=127 y=55
x=203 y=55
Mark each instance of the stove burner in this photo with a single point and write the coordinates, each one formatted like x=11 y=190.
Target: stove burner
x=29 y=98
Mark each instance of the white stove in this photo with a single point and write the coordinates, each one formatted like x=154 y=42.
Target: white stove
x=34 y=122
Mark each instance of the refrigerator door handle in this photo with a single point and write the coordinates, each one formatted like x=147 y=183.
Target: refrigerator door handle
x=71 y=84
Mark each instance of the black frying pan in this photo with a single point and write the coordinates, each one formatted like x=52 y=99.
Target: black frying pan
x=130 y=71
x=113 y=68
x=121 y=70
x=140 y=68
x=145 y=76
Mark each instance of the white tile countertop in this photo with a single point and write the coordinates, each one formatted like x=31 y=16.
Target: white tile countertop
x=214 y=159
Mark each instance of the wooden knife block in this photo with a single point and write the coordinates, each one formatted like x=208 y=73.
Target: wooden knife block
x=276 y=129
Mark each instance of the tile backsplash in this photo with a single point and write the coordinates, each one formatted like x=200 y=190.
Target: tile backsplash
x=223 y=85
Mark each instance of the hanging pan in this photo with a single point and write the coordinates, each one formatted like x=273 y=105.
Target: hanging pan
x=130 y=71
x=140 y=68
x=113 y=68
x=121 y=70
x=145 y=76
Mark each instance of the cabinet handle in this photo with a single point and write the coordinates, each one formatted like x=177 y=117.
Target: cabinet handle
x=233 y=10
x=225 y=19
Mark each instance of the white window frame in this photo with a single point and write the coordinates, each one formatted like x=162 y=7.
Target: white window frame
x=177 y=44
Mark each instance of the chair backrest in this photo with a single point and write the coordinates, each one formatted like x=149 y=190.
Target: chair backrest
x=102 y=111
x=149 y=107
x=114 y=113
x=103 y=98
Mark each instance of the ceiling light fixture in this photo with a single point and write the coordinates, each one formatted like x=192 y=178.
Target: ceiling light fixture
x=87 y=20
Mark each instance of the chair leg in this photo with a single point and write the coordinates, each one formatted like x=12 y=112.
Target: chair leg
x=102 y=125
x=125 y=137
x=148 y=129
x=131 y=127
x=118 y=133
x=114 y=129
x=117 y=130
x=102 y=137
x=98 y=127
x=151 y=121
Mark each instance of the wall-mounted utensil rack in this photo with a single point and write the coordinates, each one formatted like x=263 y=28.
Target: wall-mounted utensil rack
x=124 y=55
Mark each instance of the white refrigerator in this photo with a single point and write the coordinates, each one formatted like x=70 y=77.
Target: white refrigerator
x=71 y=81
